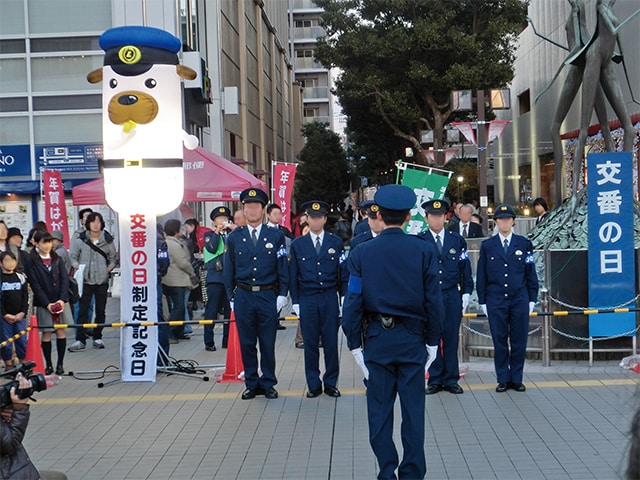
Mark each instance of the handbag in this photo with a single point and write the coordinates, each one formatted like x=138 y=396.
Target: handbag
x=116 y=286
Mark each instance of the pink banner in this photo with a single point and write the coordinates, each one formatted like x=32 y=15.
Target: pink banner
x=54 y=207
x=284 y=175
x=496 y=127
x=466 y=128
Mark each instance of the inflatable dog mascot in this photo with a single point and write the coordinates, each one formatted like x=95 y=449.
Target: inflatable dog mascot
x=142 y=117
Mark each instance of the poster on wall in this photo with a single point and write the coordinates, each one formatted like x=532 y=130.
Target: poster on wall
x=16 y=214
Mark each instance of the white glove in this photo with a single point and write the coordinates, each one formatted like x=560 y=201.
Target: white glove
x=432 y=351
x=531 y=307
x=484 y=310
x=231 y=305
x=295 y=308
x=340 y=307
x=466 y=297
x=359 y=358
x=280 y=303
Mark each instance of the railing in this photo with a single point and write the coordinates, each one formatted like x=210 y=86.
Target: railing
x=308 y=64
x=319 y=119
x=312 y=33
x=304 y=5
x=316 y=92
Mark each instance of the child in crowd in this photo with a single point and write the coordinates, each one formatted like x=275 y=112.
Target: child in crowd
x=14 y=303
x=50 y=284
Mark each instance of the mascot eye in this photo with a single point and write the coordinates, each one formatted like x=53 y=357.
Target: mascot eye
x=113 y=83
x=150 y=83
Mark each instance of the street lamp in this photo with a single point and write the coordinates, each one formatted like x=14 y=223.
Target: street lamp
x=460 y=180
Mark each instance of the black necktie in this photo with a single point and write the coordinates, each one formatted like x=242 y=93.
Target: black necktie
x=318 y=245
x=506 y=245
x=254 y=236
x=439 y=244
x=464 y=231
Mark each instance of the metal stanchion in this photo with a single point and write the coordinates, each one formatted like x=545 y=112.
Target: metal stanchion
x=546 y=329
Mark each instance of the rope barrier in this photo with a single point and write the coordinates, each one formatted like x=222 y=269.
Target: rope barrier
x=21 y=333
x=564 y=313
x=575 y=307
x=467 y=327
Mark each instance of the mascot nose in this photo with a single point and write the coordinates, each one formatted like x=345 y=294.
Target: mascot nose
x=127 y=99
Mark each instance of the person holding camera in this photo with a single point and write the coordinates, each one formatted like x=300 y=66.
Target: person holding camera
x=213 y=251
x=49 y=281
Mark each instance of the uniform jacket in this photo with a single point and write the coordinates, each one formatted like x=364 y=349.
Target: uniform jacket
x=506 y=276
x=211 y=244
x=361 y=227
x=397 y=274
x=48 y=286
x=474 y=230
x=264 y=264
x=361 y=238
x=14 y=461
x=180 y=269
x=310 y=272
x=454 y=267
x=95 y=272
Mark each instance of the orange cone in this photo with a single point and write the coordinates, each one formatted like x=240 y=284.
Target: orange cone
x=34 y=349
x=234 y=366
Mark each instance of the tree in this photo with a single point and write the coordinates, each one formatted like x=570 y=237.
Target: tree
x=400 y=59
x=323 y=173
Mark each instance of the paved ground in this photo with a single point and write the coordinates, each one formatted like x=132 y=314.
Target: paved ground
x=572 y=422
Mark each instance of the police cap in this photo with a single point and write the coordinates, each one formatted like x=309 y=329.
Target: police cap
x=316 y=208
x=503 y=211
x=436 y=207
x=220 y=212
x=365 y=204
x=395 y=197
x=372 y=210
x=254 y=195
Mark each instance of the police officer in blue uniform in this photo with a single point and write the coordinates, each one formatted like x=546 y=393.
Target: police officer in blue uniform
x=256 y=277
x=456 y=283
x=317 y=275
x=213 y=255
x=394 y=304
x=363 y=225
x=507 y=287
x=375 y=227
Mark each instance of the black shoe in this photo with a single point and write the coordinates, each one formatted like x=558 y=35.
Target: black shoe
x=48 y=370
x=331 y=391
x=455 y=388
x=210 y=348
x=224 y=344
x=59 y=370
x=299 y=344
x=431 y=389
x=314 y=393
x=270 y=393
x=281 y=327
x=518 y=387
x=249 y=393
x=183 y=337
x=501 y=388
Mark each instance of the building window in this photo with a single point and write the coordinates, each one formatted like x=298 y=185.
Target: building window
x=524 y=101
x=232 y=145
x=306 y=23
x=304 y=53
x=68 y=102
x=66 y=44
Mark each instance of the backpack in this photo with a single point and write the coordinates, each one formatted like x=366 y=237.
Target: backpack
x=163 y=257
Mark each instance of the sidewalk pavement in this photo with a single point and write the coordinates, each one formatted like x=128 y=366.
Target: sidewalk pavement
x=571 y=423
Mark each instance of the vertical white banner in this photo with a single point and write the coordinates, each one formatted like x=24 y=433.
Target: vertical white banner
x=138 y=304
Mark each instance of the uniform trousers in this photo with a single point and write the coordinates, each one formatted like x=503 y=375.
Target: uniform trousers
x=319 y=319
x=395 y=359
x=509 y=324
x=216 y=301
x=257 y=320
x=444 y=370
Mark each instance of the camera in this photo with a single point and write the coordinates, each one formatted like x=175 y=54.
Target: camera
x=37 y=380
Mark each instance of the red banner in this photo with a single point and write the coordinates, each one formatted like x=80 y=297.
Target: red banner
x=496 y=127
x=284 y=175
x=466 y=128
x=55 y=210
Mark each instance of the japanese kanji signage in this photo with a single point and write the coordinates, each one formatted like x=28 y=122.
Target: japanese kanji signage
x=54 y=207
x=611 y=257
x=138 y=344
x=284 y=175
x=427 y=185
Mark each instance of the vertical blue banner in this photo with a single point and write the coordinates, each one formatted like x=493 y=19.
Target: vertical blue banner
x=611 y=256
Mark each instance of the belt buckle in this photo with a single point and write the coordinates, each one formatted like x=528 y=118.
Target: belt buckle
x=255 y=288
x=387 y=322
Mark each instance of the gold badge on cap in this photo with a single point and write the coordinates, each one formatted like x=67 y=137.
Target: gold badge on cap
x=221 y=209
x=503 y=208
x=315 y=206
x=129 y=54
x=374 y=208
x=437 y=204
x=252 y=193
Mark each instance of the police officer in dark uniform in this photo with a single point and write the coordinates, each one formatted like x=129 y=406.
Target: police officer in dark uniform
x=375 y=227
x=213 y=255
x=456 y=284
x=363 y=225
x=317 y=275
x=256 y=277
x=394 y=304
x=507 y=287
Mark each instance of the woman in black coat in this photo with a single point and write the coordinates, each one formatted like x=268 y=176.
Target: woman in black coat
x=49 y=281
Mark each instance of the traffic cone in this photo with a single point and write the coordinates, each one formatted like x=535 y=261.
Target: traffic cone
x=234 y=366
x=34 y=349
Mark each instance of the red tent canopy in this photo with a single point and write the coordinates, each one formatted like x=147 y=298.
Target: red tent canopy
x=207 y=177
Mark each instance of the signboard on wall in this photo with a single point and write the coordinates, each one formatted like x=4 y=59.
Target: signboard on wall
x=69 y=158
x=16 y=214
x=15 y=161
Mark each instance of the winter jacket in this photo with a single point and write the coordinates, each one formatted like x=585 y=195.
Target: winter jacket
x=96 y=271
x=48 y=286
x=180 y=269
x=14 y=461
